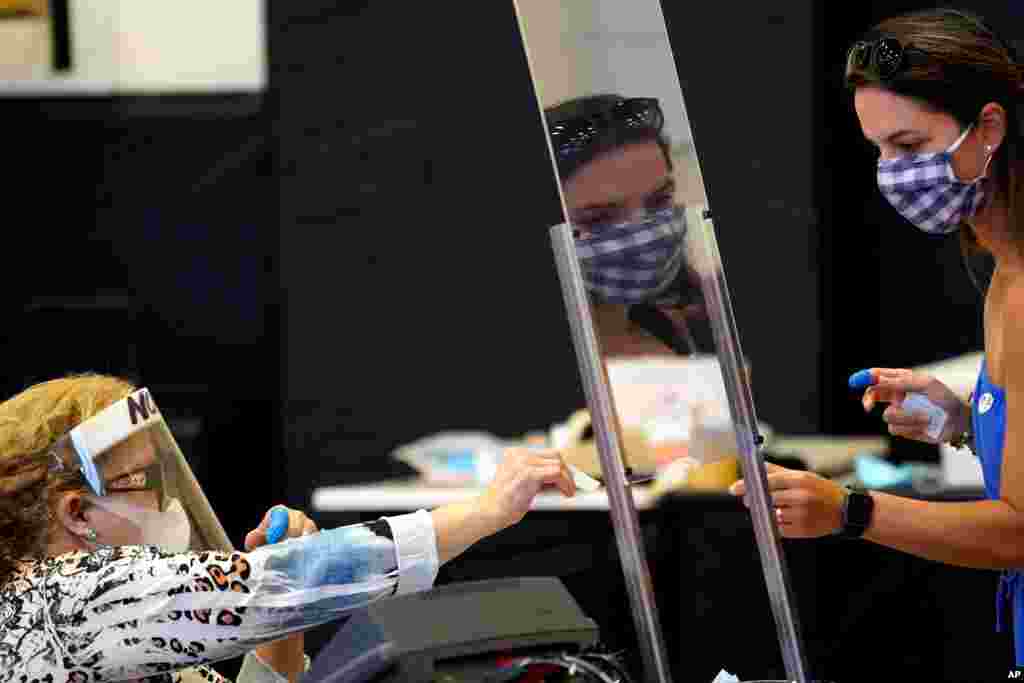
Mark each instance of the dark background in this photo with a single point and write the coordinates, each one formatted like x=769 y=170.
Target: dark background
x=359 y=257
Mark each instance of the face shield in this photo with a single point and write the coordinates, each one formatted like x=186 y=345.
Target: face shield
x=133 y=468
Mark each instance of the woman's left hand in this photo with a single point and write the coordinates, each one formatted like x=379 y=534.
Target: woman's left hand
x=806 y=504
x=285 y=656
x=298 y=525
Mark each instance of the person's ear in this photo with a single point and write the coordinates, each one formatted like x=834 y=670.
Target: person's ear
x=992 y=125
x=70 y=513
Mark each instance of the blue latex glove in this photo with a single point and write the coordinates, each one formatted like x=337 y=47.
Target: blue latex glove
x=278 y=525
x=862 y=379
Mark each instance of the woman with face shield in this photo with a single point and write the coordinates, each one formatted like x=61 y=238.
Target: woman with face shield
x=939 y=95
x=113 y=565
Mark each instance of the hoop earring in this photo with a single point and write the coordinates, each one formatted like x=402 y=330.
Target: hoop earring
x=989 y=155
x=90 y=535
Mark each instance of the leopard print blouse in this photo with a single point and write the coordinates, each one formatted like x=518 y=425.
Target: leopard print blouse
x=135 y=612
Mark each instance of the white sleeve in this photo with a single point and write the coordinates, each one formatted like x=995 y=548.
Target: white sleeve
x=416 y=543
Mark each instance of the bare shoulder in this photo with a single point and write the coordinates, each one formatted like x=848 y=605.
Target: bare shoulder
x=1014 y=287
x=1012 y=332
x=1012 y=305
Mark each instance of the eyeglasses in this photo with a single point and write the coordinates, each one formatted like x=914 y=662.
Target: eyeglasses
x=572 y=136
x=884 y=58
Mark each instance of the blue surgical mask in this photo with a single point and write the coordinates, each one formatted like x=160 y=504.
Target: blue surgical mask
x=635 y=260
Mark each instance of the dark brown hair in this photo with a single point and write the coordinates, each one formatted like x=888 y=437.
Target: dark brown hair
x=960 y=64
x=613 y=138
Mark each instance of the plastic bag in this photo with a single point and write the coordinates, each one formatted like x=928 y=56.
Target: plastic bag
x=454 y=458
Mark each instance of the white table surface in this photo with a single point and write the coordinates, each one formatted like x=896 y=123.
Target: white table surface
x=413 y=494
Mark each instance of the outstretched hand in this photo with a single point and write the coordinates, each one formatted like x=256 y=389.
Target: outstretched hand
x=806 y=504
x=522 y=474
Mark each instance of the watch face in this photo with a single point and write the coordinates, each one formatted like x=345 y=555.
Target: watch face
x=858 y=512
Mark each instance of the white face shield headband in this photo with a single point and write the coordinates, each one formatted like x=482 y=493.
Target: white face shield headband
x=128 y=449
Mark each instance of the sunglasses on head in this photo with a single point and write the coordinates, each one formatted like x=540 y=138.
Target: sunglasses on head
x=883 y=58
x=572 y=136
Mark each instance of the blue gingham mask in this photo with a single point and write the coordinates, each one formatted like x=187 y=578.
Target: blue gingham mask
x=633 y=261
x=925 y=190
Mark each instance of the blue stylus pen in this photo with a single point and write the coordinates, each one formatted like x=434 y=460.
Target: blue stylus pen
x=278 y=525
x=862 y=379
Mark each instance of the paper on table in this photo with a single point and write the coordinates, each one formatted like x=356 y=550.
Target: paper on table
x=584 y=482
x=568 y=439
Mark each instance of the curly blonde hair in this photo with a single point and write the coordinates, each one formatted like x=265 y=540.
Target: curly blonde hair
x=30 y=423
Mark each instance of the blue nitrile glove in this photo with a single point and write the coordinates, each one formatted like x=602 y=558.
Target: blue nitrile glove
x=278 y=525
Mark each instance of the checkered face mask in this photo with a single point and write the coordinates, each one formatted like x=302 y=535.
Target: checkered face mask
x=633 y=261
x=925 y=190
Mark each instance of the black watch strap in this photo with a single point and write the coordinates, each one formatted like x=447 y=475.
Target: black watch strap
x=858 y=509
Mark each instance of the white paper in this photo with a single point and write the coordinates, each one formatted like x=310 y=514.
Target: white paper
x=584 y=482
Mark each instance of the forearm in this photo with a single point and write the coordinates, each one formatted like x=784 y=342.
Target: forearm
x=984 y=534
x=459 y=525
x=286 y=656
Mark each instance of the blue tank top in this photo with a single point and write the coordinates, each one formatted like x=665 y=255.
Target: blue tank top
x=988 y=417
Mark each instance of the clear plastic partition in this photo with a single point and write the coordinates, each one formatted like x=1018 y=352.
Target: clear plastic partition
x=641 y=274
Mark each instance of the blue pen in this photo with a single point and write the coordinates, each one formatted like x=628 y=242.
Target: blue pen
x=278 y=524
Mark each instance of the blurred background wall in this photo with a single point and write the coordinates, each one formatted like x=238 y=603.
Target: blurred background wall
x=346 y=248
x=355 y=255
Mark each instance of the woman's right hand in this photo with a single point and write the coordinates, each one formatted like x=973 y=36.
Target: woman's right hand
x=521 y=475
x=892 y=386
